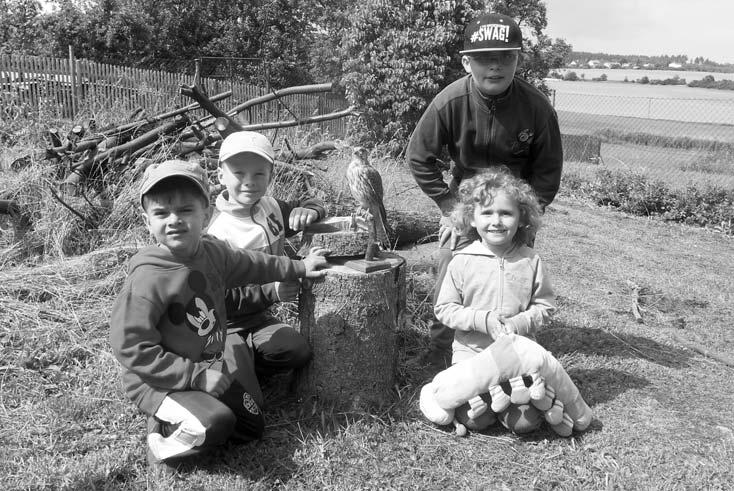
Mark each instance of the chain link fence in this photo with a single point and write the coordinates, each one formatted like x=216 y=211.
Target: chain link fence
x=680 y=141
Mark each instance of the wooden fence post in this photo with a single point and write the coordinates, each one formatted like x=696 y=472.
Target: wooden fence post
x=72 y=75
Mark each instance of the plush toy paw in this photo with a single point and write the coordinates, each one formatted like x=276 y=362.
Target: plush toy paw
x=554 y=415
x=484 y=421
x=565 y=427
x=500 y=400
x=545 y=402
x=477 y=407
x=460 y=428
x=430 y=407
x=520 y=393
x=537 y=390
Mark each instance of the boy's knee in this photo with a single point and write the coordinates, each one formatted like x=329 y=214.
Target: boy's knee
x=521 y=418
x=220 y=423
x=301 y=354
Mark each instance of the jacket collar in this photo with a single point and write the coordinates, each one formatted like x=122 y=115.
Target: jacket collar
x=476 y=248
x=224 y=205
x=488 y=100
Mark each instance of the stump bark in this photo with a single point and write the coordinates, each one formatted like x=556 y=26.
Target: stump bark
x=350 y=319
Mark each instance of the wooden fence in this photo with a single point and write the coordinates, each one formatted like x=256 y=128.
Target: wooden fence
x=69 y=88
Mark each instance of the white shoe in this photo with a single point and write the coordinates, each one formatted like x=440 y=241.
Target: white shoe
x=177 y=443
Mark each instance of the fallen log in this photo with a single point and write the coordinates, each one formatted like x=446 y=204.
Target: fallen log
x=317 y=151
x=350 y=111
x=195 y=93
x=277 y=94
x=80 y=172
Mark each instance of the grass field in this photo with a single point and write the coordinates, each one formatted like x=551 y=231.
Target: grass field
x=663 y=411
x=583 y=123
x=678 y=168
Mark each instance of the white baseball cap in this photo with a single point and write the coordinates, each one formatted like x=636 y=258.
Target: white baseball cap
x=246 y=141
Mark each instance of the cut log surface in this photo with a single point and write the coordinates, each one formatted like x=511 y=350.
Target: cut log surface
x=336 y=235
x=350 y=319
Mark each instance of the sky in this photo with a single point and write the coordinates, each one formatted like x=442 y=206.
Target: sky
x=646 y=27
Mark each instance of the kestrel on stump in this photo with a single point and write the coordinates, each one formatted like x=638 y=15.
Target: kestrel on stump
x=365 y=183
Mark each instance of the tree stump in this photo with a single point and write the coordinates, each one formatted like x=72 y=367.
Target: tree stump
x=350 y=319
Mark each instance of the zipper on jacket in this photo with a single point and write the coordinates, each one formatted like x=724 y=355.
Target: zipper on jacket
x=263 y=227
x=490 y=141
x=502 y=285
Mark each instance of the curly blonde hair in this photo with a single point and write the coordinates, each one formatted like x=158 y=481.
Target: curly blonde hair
x=482 y=188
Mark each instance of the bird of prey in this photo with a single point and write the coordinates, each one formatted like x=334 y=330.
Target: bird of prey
x=365 y=183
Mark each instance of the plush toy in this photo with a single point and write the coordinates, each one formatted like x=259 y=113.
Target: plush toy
x=511 y=360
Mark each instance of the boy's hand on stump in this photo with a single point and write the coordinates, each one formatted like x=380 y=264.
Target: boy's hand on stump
x=315 y=261
x=212 y=381
x=300 y=218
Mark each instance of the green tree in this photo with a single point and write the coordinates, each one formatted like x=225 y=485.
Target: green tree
x=397 y=56
x=541 y=54
x=19 y=25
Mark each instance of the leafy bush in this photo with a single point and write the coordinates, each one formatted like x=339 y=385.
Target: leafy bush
x=398 y=55
x=635 y=193
x=708 y=82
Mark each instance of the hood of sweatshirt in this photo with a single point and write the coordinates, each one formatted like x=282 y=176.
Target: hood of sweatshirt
x=476 y=248
x=224 y=205
x=161 y=257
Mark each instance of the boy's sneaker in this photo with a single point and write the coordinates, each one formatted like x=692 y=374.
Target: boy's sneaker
x=160 y=468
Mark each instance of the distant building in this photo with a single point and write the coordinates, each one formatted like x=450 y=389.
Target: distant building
x=573 y=64
x=612 y=64
x=675 y=65
x=594 y=63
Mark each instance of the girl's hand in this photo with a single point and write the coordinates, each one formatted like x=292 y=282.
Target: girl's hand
x=315 y=261
x=494 y=326
x=507 y=326
x=301 y=217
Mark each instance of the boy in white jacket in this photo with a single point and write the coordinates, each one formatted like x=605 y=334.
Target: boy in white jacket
x=248 y=219
x=496 y=285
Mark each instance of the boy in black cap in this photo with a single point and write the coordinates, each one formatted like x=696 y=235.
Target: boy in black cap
x=488 y=118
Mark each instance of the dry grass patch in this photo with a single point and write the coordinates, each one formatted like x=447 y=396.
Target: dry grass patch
x=663 y=411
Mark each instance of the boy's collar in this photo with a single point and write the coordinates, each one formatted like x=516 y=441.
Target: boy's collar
x=225 y=205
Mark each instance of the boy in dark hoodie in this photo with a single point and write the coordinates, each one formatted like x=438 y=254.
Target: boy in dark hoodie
x=168 y=324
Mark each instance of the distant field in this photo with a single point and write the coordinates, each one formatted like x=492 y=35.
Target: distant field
x=664 y=102
x=584 y=124
x=677 y=167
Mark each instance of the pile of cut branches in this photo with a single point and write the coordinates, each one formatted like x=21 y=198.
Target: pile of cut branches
x=95 y=164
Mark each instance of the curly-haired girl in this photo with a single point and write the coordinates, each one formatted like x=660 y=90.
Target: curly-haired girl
x=497 y=284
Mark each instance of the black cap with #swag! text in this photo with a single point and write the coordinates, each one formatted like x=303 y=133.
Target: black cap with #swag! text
x=491 y=32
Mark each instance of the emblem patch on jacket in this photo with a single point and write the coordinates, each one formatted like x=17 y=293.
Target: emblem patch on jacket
x=521 y=146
